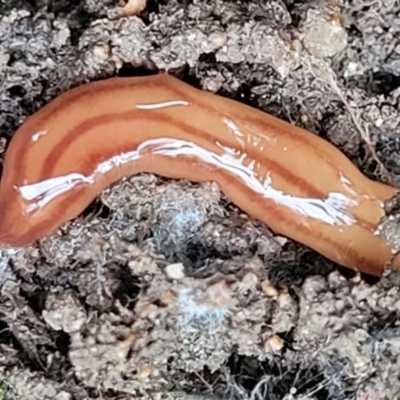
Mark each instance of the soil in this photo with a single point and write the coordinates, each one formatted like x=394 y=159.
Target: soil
x=163 y=289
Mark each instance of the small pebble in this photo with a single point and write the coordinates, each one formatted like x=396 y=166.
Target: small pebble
x=175 y=271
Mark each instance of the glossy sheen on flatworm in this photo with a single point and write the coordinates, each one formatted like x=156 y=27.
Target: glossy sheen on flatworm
x=299 y=185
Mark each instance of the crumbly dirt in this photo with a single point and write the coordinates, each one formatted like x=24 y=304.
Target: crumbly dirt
x=163 y=289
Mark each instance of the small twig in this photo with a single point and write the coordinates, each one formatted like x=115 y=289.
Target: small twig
x=363 y=133
x=208 y=385
x=255 y=393
x=322 y=71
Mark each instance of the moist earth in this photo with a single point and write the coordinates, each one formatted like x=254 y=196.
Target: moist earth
x=163 y=289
